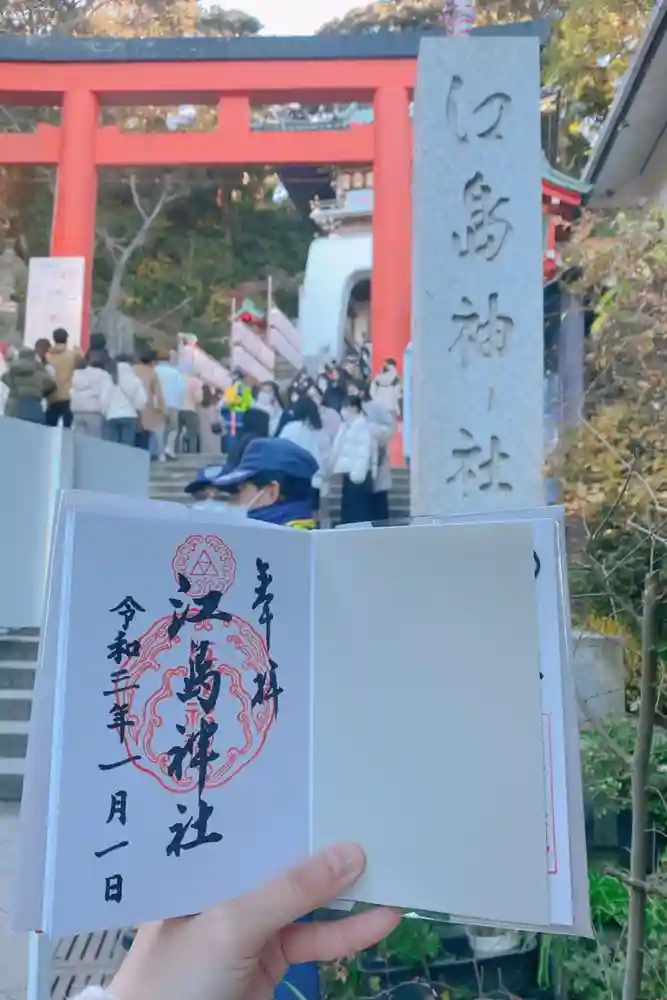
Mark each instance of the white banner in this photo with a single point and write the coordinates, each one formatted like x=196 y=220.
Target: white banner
x=55 y=298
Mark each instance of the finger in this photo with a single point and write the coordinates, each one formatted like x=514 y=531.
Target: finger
x=325 y=941
x=295 y=893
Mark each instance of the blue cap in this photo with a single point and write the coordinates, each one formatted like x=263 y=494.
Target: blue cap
x=205 y=477
x=274 y=455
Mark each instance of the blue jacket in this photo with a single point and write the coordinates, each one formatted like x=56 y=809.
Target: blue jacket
x=293 y=514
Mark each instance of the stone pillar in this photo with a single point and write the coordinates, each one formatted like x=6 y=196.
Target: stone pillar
x=478 y=366
x=599 y=675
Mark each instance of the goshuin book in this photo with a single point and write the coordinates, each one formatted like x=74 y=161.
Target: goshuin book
x=216 y=700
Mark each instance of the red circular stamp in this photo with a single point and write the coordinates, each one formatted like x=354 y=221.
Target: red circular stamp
x=209 y=681
x=207 y=562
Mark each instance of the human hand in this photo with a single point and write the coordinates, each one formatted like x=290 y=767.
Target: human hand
x=241 y=949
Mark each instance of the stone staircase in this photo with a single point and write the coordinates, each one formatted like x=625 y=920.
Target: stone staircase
x=18 y=661
x=169 y=481
x=18 y=650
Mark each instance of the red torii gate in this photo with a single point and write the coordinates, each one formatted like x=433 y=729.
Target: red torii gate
x=82 y=75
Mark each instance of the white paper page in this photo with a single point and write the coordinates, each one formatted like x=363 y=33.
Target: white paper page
x=579 y=859
x=428 y=743
x=552 y=657
x=26 y=908
x=564 y=809
x=258 y=786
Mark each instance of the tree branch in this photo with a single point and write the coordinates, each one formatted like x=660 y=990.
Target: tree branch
x=170 y=312
x=639 y=791
x=122 y=253
x=610 y=513
x=650 y=888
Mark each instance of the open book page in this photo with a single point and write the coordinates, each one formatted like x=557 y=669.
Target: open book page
x=565 y=839
x=183 y=769
x=427 y=726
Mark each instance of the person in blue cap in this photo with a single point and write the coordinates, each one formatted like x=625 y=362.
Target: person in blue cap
x=203 y=488
x=273 y=483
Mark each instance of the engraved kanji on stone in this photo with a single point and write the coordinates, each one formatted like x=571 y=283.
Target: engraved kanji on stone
x=478 y=470
x=486 y=230
x=487 y=335
x=487 y=116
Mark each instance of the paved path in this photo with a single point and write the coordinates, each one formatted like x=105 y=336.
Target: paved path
x=78 y=962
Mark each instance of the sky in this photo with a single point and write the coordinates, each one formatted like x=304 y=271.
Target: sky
x=295 y=17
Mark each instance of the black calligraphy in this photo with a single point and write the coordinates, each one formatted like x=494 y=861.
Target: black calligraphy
x=198 y=825
x=206 y=608
x=113 y=889
x=203 y=680
x=196 y=749
x=268 y=688
x=121 y=723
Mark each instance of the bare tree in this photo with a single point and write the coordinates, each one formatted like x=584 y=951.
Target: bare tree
x=110 y=320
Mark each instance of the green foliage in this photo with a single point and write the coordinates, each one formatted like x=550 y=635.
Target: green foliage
x=197 y=256
x=395 y=15
x=607 y=777
x=222 y=231
x=591 y=45
x=593 y=970
x=413 y=943
x=614 y=468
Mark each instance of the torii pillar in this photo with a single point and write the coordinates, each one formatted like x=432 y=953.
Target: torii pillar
x=73 y=230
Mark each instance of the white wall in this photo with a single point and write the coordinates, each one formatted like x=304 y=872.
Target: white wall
x=36 y=463
x=335 y=264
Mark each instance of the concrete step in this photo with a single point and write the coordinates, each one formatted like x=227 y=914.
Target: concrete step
x=15 y=705
x=18 y=664
x=17 y=675
x=21 y=646
x=13 y=739
x=11 y=778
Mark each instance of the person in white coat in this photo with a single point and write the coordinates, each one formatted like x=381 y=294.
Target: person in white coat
x=92 y=387
x=306 y=430
x=383 y=426
x=128 y=397
x=355 y=457
x=386 y=388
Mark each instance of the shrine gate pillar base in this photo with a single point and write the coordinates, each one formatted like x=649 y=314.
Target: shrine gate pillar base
x=73 y=233
x=391 y=289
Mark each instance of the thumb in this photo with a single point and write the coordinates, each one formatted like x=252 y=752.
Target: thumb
x=313 y=883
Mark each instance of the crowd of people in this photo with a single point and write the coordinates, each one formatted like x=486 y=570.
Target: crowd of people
x=143 y=401
x=342 y=418
x=344 y=422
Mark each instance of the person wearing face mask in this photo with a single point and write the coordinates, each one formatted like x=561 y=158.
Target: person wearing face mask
x=386 y=388
x=269 y=399
x=272 y=483
x=355 y=458
x=204 y=491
